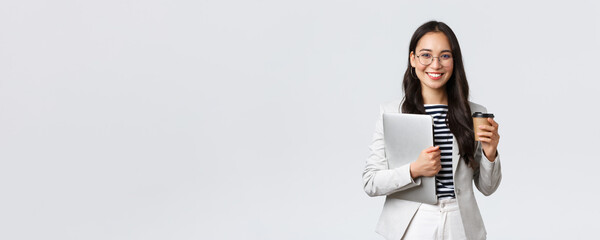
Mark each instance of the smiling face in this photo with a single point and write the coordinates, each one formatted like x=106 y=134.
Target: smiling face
x=434 y=76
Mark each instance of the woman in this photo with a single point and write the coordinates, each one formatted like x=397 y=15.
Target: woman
x=435 y=83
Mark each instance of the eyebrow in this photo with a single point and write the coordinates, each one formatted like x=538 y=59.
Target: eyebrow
x=425 y=49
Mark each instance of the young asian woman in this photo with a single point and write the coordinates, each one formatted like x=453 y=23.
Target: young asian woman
x=435 y=83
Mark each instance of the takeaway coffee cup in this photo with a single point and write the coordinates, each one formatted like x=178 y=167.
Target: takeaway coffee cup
x=479 y=119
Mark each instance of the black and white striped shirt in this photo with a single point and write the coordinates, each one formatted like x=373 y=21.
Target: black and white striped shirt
x=443 y=138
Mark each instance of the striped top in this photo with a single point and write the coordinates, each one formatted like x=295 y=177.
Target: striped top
x=442 y=137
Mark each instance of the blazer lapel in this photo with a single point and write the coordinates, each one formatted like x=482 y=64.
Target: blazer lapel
x=455 y=155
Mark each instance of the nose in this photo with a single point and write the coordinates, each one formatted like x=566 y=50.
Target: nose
x=436 y=64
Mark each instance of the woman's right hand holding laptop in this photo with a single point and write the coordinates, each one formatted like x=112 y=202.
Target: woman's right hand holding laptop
x=428 y=164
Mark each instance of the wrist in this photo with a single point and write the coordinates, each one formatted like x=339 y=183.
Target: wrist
x=493 y=155
x=413 y=173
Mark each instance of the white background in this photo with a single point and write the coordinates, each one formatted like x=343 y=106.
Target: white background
x=129 y=119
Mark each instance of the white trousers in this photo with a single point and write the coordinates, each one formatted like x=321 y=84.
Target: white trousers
x=440 y=222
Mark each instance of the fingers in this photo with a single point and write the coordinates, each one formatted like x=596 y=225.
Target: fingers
x=436 y=155
x=429 y=162
x=437 y=166
x=494 y=123
x=433 y=167
x=489 y=134
x=485 y=134
x=434 y=164
x=432 y=149
x=487 y=128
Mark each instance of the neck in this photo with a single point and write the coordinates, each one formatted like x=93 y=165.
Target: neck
x=435 y=96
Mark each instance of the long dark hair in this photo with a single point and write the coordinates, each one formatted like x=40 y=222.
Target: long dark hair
x=459 y=113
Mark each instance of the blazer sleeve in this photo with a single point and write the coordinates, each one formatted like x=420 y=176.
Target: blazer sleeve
x=489 y=175
x=378 y=179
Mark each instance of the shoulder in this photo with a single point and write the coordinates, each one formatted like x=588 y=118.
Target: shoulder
x=477 y=107
x=391 y=106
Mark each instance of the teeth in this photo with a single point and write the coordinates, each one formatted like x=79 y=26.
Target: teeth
x=434 y=74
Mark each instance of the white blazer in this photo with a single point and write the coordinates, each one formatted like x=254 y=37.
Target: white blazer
x=396 y=215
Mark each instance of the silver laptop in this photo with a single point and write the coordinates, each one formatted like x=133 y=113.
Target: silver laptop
x=405 y=136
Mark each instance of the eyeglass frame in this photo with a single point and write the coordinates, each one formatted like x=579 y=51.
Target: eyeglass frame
x=432 y=57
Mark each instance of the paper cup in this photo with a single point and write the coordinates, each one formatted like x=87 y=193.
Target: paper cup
x=479 y=119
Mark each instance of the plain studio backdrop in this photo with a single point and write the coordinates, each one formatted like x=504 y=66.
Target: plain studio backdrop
x=252 y=119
